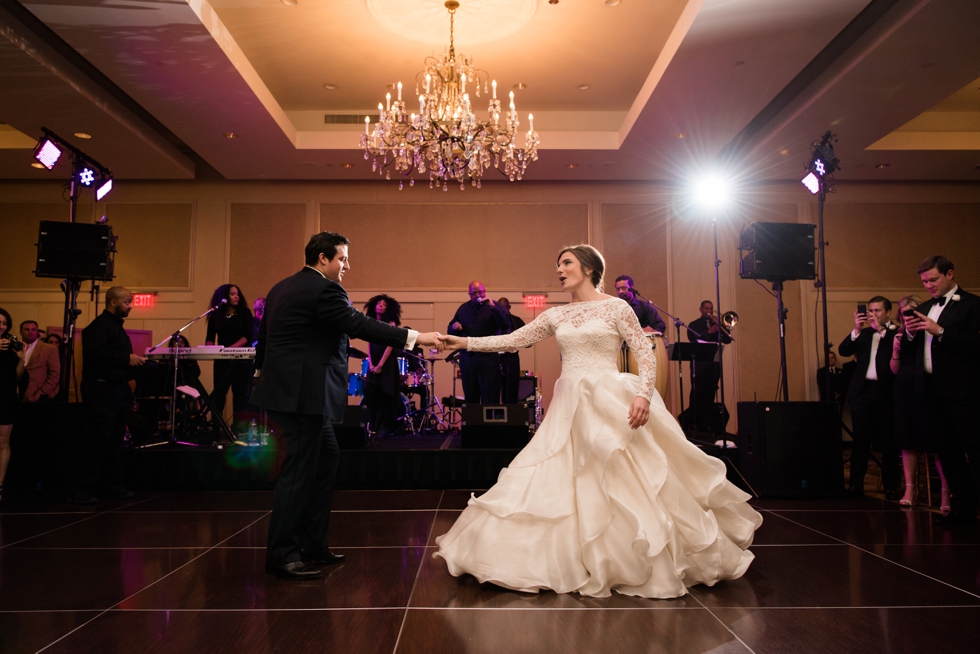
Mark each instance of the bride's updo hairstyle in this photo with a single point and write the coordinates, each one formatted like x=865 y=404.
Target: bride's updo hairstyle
x=590 y=259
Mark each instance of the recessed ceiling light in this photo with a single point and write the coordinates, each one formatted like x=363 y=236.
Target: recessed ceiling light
x=681 y=135
x=571 y=165
x=612 y=3
x=231 y=135
x=882 y=165
x=38 y=164
x=391 y=87
x=520 y=85
x=330 y=87
x=347 y=165
x=784 y=152
x=83 y=135
x=739 y=63
x=583 y=87
x=552 y=2
x=290 y=3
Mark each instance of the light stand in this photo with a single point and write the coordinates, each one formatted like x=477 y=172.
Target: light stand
x=722 y=427
x=777 y=286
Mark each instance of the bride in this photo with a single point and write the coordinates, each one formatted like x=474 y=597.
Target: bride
x=608 y=495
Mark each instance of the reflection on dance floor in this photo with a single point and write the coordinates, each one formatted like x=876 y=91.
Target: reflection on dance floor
x=183 y=572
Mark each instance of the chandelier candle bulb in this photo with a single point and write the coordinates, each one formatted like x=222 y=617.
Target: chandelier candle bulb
x=388 y=100
x=428 y=83
x=494 y=84
x=367 y=125
x=399 y=91
x=530 y=120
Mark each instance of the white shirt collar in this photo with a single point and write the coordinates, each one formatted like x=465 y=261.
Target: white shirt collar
x=317 y=271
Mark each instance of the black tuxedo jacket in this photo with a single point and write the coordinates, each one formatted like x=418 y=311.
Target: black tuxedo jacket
x=955 y=358
x=860 y=348
x=301 y=353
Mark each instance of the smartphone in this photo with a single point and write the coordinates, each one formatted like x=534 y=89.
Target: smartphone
x=909 y=313
x=862 y=308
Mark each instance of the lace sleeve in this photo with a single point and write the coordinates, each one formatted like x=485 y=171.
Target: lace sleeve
x=537 y=330
x=629 y=328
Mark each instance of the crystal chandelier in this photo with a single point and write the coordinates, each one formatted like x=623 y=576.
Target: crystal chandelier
x=445 y=138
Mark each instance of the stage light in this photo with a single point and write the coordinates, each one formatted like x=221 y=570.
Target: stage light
x=86 y=176
x=47 y=153
x=812 y=183
x=103 y=189
x=711 y=191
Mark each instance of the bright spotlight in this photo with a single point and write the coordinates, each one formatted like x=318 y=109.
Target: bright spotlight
x=812 y=183
x=86 y=176
x=47 y=153
x=103 y=189
x=711 y=191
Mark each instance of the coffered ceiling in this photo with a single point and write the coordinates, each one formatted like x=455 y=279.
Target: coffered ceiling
x=671 y=86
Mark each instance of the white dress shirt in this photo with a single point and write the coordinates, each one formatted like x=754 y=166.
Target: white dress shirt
x=934 y=312
x=28 y=350
x=872 y=372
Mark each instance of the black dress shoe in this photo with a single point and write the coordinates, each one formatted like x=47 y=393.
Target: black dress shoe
x=81 y=497
x=852 y=493
x=957 y=518
x=325 y=557
x=295 y=570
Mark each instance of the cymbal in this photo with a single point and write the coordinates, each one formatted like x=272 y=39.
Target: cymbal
x=354 y=353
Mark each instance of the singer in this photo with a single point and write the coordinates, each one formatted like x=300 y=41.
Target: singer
x=231 y=326
x=481 y=370
x=649 y=319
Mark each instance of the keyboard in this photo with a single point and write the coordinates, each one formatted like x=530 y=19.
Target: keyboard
x=206 y=353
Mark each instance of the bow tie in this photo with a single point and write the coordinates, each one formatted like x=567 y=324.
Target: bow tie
x=941 y=300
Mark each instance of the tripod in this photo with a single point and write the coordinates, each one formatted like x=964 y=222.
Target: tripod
x=433 y=412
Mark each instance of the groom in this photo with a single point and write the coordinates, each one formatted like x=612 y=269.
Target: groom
x=301 y=370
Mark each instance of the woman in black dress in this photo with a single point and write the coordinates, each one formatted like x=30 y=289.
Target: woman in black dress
x=382 y=388
x=912 y=427
x=11 y=368
x=231 y=327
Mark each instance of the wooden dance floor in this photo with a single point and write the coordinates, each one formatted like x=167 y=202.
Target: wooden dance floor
x=183 y=572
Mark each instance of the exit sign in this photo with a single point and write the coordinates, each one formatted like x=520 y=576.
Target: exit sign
x=535 y=301
x=144 y=300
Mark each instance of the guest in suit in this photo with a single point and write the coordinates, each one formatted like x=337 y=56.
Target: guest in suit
x=948 y=380
x=301 y=365
x=706 y=373
x=481 y=370
x=837 y=389
x=42 y=365
x=231 y=326
x=510 y=362
x=870 y=395
x=11 y=369
x=912 y=430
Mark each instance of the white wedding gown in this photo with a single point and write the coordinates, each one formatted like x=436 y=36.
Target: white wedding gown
x=590 y=505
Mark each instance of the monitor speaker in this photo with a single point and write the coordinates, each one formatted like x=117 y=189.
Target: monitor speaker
x=527 y=388
x=791 y=449
x=497 y=426
x=778 y=252
x=352 y=432
x=75 y=251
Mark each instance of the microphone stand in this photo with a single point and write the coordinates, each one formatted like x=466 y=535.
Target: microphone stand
x=174 y=340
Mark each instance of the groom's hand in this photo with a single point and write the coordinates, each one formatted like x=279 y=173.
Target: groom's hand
x=431 y=339
x=453 y=343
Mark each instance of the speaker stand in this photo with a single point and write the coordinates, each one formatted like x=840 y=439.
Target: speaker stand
x=777 y=286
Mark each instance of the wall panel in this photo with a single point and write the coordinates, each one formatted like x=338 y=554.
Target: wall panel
x=19 y=229
x=154 y=245
x=267 y=242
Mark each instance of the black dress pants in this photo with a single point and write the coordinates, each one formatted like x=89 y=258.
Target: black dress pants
x=956 y=437
x=703 y=391
x=304 y=491
x=510 y=368
x=873 y=417
x=99 y=458
x=238 y=376
x=481 y=377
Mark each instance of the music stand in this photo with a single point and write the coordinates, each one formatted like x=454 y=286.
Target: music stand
x=693 y=353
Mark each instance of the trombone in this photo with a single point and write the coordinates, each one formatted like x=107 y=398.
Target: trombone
x=728 y=320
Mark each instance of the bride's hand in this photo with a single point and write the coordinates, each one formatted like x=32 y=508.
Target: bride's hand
x=639 y=412
x=452 y=343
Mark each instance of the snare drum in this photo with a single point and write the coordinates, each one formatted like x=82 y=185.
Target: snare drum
x=626 y=362
x=355 y=384
x=365 y=367
x=402 y=366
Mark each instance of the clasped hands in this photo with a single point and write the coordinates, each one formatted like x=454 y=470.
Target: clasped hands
x=441 y=342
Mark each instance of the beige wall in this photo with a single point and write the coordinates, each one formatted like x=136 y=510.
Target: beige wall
x=185 y=239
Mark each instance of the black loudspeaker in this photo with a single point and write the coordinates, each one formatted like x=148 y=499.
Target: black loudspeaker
x=527 y=389
x=75 y=251
x=791 y=449
x=778 y=252
x=352 y=433
x=497 y=426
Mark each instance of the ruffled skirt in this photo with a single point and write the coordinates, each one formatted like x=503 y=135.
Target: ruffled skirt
x=591 y=506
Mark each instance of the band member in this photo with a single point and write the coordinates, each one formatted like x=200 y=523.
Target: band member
x=870 y=395
x=231 y=326
x=383 y=384
x=706 y=373
x=107 y=366
x=510 y=362
x=645 y=312
x=948 y=378
x=481 y=370
x=301 y=362
x=43 y=366
x=258 y=310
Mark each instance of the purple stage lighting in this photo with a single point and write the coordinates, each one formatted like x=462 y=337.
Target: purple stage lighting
x=47 y=153
x=812 y=183
x=103 y=190
x=86 y=176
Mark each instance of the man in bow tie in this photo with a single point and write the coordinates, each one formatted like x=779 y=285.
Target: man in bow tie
x=948 y=379
x=870 y=395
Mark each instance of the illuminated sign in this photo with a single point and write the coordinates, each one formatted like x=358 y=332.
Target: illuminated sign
x=144 y=300
x=535 y=301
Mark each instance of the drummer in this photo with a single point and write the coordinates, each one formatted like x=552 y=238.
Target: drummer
x=649 y=319
x=383 y=383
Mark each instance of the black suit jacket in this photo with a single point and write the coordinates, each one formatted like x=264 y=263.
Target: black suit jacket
x=860 y=348
x=955 y=358
x=302 y=348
